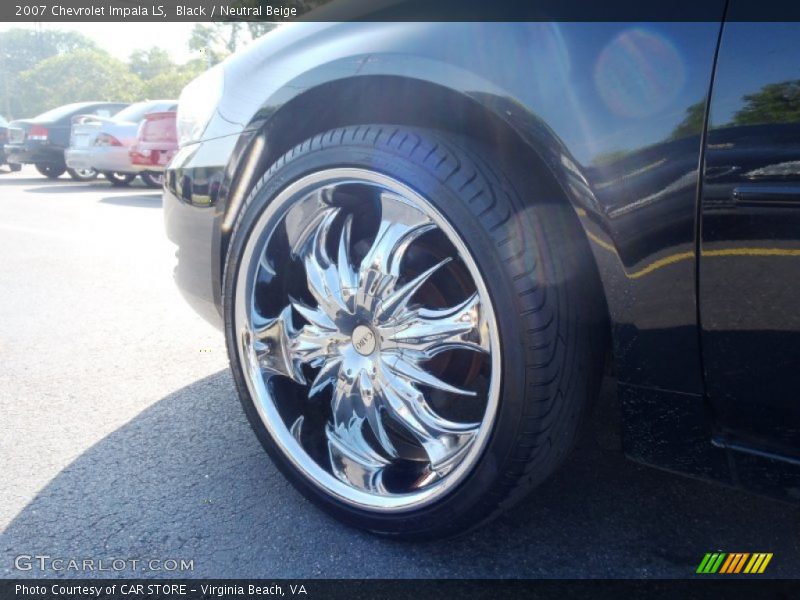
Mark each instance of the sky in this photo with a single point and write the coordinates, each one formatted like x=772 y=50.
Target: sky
x=120 y=39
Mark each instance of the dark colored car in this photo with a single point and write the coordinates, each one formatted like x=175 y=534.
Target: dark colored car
x=430 y=242
x=3 y=139
x=42 y=140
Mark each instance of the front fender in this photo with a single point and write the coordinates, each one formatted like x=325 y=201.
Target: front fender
x=605 y=107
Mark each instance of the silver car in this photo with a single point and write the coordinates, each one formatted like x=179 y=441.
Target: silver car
x=102 y=143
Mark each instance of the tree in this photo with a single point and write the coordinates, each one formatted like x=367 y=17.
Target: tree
x=169 y=83
x=773 y=103
x=692 y=123
x=23 y=49
x=75 y=77
x=151 y=63
x=218 y=40
x=160 y=76
x=609 y=157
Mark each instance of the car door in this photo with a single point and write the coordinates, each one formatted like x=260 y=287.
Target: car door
x=749 y=266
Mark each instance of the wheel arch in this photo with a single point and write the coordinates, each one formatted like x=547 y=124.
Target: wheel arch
x=517 y=138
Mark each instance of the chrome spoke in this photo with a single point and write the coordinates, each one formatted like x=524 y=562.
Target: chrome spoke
x=414 y=373
x=281 y=349
x=315 y=317
x=400 y=225
x=442 y=439
x=348 y=278
x=352 y=458
x=272 y=347
x=361 y=394
x=424 y=333
x=398 y=299
x=323 y=274
x=327 y=376
x=314 y=346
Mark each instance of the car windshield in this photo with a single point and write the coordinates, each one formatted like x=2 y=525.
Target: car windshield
x=56 y=114
x=136 y=112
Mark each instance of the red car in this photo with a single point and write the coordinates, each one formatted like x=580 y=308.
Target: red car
x=156 y=143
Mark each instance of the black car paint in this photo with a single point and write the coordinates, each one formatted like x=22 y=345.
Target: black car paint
x=627 y=151
x=51 y=150
x=750 y=255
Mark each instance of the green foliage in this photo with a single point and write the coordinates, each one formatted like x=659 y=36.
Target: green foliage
x=40 y=70
x=148 y=64
x=169 y=82
x=773 y=103
x=258 y=28
x=161 y=77
x=217 y=40
x=77 y=76
x=609 y=158
x=692 y=123
x=23 y=49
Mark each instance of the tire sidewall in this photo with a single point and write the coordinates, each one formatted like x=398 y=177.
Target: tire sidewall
x=149 y=179
x=50 y=171
x=74 y=174
x=116 y=180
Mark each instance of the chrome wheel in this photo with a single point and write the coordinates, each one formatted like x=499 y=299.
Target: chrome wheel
x=368 y=339
x=82 y=174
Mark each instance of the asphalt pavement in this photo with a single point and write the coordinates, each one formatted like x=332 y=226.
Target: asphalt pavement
x=121 y=438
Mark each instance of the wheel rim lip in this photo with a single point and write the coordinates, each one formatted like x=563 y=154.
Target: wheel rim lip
x=258 y=389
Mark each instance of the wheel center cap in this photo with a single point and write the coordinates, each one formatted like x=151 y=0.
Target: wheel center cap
x=364 y=340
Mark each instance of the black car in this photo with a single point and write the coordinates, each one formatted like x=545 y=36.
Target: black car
x=430 y=242
x=3 y=139
x=42 y=140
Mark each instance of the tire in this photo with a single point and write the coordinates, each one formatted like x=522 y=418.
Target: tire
x=51 y=171
x=152 y=179
x=539 y=312
x=119 y=179
x=82 y=174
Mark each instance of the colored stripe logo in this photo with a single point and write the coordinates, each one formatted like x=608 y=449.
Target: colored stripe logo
x=734 y=562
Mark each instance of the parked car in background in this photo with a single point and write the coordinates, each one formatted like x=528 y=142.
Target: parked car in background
x=103 y=143
x=156 y=144
x=3 y=140
x=42 y=140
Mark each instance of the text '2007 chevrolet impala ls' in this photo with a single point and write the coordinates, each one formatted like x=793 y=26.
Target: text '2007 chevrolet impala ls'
x=427 y=243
